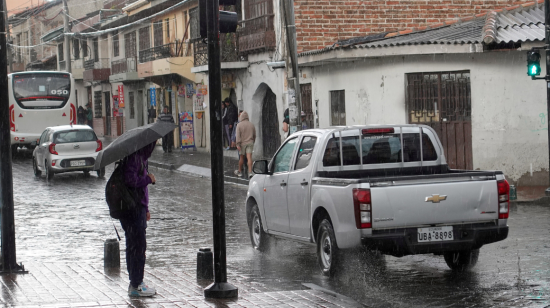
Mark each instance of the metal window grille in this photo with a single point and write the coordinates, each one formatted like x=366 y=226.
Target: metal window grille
x=131 y=103
x=167 y=21
x=84 y=46
x=194 y=23
x=338 y=107
x=439 y=97
x=130 y=44
x=96 y=49
x=98 y=109
x=257 y=8
x=144 y=38
x=76 y=49
x=157 y=33
x=60 y=52
x=116 y=45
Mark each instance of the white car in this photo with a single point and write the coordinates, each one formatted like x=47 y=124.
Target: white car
x=66 y=148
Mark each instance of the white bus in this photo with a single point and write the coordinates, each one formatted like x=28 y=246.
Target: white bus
x=38 y=100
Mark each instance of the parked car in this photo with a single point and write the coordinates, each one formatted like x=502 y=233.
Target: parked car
x=386 y=188
x=66 y=148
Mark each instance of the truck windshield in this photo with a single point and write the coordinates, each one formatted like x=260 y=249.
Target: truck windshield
x=378 y=149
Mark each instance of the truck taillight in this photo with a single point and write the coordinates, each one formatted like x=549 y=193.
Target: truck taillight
x=99 y=145
x=503 y=199
x=52 y=149
x=363 y=208
x=12 y=118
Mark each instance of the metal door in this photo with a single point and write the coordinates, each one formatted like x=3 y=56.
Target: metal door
x=442 y=100
x=140 y=108
x=107 y=96
x=305 y=89
x=270 y=124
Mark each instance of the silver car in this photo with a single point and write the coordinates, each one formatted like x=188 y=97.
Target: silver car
x=66 y=148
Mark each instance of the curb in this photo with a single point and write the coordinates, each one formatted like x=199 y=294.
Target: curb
x=540 y=201
x=171 y=167
x=162 y=165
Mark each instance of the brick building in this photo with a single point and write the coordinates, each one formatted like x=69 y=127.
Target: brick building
x=322 y=22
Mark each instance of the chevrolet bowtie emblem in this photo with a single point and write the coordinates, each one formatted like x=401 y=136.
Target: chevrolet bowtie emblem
x=436 y=198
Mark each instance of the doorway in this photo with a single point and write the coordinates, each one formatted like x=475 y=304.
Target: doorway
x=107 y=96
x=140 y=108
x=270 y=124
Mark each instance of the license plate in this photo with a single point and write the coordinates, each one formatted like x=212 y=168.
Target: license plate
x=435 y=234
x=76 y=163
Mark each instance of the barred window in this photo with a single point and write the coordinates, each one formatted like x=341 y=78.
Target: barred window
x=144 y=38
x=131 y=104
x=116 y=44
x=98 y=110
x=338 y=107
x=130 y=44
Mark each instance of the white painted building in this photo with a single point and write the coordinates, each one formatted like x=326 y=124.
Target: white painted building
x=408 y=79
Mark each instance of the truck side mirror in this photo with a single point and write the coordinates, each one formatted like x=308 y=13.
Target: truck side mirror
x=260 y=167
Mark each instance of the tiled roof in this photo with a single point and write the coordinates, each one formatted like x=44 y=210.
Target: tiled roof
x=515 y=24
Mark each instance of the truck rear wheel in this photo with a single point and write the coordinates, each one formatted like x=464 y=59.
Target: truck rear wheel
x=461 y=260
x=327 y=249
x=258 y=237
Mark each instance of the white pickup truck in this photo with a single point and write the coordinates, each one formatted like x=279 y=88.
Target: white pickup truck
x=385 y=187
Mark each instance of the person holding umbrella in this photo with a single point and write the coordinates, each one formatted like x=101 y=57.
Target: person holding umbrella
x=133 y=149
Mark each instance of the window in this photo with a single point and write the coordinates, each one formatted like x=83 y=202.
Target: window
x=337 y=108
x=281 y=162
x=76 y=49
x=43 y=137
x=84 y=46
x=131 y=105
x=116 y=45
x=144 y=38
x=60 y=53
x=194 y=25
x=79 y=135
x=379 y=149
x=130 y=44
x=96 y=49
x=305 y=152
x=167 y=21
x=157 y=33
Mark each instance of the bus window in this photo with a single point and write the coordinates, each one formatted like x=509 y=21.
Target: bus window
x=41 y=91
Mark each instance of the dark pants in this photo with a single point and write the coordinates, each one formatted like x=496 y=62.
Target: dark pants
x=167 y=142
x=136 y=243
x=91 y=123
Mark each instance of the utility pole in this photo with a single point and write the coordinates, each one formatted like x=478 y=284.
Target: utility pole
x=547 y=46
x=9 y=264
x=220 y=288
x=8 y=36
x=295 y=99
x=67 y=47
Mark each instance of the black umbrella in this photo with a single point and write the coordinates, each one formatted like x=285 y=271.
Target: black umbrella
x=131 y=141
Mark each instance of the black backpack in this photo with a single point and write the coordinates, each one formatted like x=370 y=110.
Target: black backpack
x=122 y=200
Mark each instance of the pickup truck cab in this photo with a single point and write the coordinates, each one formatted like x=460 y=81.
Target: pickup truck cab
x=385 y=187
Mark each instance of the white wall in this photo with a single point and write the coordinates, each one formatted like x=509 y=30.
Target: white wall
x=509 y=125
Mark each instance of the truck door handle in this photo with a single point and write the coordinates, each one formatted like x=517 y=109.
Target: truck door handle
x=304 y=183
x=283 y=184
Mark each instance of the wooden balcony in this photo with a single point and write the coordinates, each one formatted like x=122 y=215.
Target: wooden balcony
x=257 y=34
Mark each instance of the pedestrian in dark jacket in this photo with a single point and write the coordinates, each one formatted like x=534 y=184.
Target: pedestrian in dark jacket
x=81 y=115
x=136 y=177
x=90 y=115
x=229 y=119
x=168 y=140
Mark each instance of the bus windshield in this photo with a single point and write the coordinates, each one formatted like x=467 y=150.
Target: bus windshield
x=41 y=90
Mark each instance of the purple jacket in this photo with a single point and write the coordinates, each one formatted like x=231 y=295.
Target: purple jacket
x=132 y=177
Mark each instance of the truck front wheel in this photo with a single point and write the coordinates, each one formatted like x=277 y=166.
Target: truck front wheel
x=258 y=237
x=461 y=260
x=327 y=250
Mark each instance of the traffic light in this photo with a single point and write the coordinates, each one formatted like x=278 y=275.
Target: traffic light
x=228 y=20
x=533 y=63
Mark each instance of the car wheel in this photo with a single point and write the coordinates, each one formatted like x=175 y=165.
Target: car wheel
x=86 y=173
x=461 y=260
x=101 y=172
x=37 y=172
x=327 y=249
x=258 y=237
x=49 y=172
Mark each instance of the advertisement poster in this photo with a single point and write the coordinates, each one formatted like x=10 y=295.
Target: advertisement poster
x=121 y=96
x=186 y=130
x=116 y=105
x=153 y=96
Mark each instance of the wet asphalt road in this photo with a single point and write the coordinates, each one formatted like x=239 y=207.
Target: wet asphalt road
x=67 y=220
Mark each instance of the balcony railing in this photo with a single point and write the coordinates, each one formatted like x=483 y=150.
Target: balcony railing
x=127 y=65
x=100 y=63
x=257 y=33
x=229 y=50
x=161 y=52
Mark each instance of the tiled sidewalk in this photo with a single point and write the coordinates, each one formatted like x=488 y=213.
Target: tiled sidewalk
x=89 y=285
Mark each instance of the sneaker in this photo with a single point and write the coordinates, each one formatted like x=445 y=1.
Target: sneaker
x=141 y=291
x=227 y=149
x=238 y=173
x=250 y=175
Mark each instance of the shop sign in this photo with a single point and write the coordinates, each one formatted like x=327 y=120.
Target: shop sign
x=121 y=96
